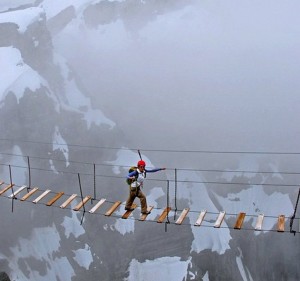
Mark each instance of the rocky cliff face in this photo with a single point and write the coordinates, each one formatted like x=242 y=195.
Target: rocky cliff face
x=4 y=276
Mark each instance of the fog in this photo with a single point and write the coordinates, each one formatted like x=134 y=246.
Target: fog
x=204 y=75
x=172 y=78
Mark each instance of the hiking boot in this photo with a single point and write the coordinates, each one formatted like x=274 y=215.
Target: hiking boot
x=146 y=213
x=129 y=209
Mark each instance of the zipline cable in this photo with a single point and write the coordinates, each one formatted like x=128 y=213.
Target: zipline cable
x=154 y=150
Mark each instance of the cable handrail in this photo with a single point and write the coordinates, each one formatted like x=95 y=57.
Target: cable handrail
x=179 y=169
x=160 y=180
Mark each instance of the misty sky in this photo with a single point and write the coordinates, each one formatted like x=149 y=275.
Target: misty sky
x=214 y=74
x=199 y=74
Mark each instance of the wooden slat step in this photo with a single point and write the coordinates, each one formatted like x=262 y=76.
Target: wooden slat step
x=259 y=222
x=164 y=214
x=97 y=206
x=239 y=221
x=6 y=188
x=113 y=208
x=127 y=213
x=200 y=218
x=81 y=203
x=13 y=195
x=41 y=196
x=31 y=192
x=280 y=225
x=144 y=216
x=182 y=216
x=68 y=201
x=55 y=198
x=220 y=219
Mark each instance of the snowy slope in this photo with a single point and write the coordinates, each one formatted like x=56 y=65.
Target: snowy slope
x=22 y=18
x=17 y=75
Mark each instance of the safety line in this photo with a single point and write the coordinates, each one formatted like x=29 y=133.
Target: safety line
x=160 y=180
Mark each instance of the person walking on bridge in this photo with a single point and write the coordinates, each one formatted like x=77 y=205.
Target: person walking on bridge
x=135 y=179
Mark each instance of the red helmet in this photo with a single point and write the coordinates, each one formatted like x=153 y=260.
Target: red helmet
x=141 y=163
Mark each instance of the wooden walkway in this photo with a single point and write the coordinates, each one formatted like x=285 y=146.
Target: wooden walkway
x=49 y=198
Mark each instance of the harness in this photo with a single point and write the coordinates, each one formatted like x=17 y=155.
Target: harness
x=138 y=184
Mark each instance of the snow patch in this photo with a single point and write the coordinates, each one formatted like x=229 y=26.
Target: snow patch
x=79 y=6
x=124 y=226
x=17 y=75
x=53 y=10
x=243 y=270
x=165 y=268
x=206 y=276
x=22 y=18
x=127 y=158
x=76 y=101
x=60 y=144
x=204 y=237
x=8 y=4
x=36 y=248
x=255 y=200
x=83 y=257
x=72 y=225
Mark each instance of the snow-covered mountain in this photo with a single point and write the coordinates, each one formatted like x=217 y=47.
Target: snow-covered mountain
x=61 y=97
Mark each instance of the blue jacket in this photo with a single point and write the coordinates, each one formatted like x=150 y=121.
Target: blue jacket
x=135 y=173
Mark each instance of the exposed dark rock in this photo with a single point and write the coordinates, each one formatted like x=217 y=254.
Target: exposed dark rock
x=4 y=277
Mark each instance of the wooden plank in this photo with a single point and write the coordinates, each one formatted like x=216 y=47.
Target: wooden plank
x=219 y=219
x=31 y=192
x=97 y=206
x=113 y=208
x=68 y=201
x=182 y=215
x=6 y=188
x=200 y=218
x=127 y=213
x=164 y=214
x=239 y=221
x=55 y=198
x=13 y=195
x=144 y=216
x=280 y=225
x=82 y=202
x=41 y=196
x=259 y=222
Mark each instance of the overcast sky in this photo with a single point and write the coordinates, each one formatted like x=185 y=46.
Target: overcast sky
x=194 y=75
x=214 y=74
